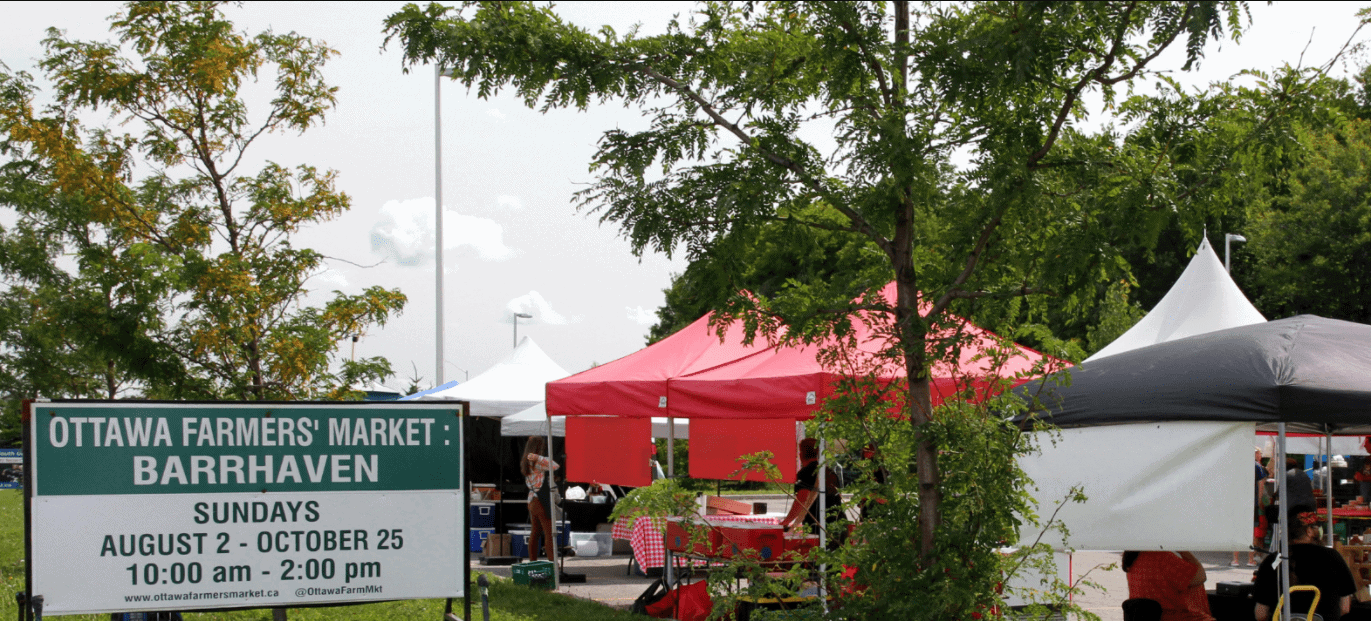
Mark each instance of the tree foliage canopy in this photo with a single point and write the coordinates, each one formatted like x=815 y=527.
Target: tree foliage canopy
x=992 y=156
x=147 y=255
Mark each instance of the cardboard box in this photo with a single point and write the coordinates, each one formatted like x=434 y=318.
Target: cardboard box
x=497 y=545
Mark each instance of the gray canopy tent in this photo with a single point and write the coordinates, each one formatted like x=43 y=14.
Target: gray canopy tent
x=1311 y=373
x=1304 y=373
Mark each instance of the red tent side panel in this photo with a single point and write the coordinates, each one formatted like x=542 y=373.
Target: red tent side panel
x=636 y=385
x=609 y=449
x=716 y=444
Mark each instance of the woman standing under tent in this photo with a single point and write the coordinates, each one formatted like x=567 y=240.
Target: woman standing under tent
x=536 y=467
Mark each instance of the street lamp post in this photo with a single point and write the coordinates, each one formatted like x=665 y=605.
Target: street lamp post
x=517 y=316
x=1227 y=240
x=438 y=221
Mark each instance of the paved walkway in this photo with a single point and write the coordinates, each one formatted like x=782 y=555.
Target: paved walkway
x=607 y=580
x=1107 y=603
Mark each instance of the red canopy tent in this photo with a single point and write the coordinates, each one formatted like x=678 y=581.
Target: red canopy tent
x=635 y=386
x=740 y=399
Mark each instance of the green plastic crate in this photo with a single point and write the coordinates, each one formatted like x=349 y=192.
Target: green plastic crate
x=536 y=574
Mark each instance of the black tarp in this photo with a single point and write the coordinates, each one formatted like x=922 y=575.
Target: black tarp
x=1305 y=370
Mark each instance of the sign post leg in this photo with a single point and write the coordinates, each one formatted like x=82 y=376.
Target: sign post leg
x=466 y=516
x=28 y=409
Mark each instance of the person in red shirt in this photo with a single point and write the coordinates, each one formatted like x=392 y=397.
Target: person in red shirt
x=1363 y=478
x=1173 y=579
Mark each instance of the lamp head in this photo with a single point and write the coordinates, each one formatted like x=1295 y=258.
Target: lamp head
x=1234 y=237
x=523 y=315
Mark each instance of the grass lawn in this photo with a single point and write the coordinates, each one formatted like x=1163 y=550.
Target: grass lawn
x=508 y=602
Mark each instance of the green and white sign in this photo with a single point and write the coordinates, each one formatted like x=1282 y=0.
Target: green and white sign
x=171 y=506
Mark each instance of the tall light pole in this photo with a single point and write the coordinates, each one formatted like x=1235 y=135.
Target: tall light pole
x=438 y=222
x=1227 y=240
x=516 y=325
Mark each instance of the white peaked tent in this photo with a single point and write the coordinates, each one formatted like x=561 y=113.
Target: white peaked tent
x=1204 y=299
x=510 y=386
x=1171 y=486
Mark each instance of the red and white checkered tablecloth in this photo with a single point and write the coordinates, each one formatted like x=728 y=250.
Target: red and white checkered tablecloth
x=646 y=535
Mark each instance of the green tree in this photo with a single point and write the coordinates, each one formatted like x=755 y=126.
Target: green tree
x=764 y=260
x=1310 y=242
x=955 y=152
x=185 y=282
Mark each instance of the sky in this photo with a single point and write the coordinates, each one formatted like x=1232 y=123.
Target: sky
x=513 y=239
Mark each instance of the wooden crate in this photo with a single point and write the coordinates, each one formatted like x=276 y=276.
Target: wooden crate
x=1358 y=560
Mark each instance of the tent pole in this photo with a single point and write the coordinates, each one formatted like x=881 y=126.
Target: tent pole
x=670 y=447
x=823 y=521
x=551 y=509
x=1282 y=518
x=1328 y=480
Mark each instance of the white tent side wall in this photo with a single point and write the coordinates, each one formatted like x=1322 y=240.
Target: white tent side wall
x=1143 y=480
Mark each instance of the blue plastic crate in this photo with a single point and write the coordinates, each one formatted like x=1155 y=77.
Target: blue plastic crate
x=482 y=515
x=478 y=537
x=518 y=540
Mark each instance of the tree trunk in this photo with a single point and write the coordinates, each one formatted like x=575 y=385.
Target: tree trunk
x=913 y=336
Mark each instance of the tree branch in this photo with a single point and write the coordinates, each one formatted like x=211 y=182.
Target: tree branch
x=971 y=261
x=1074 y=93
x=708 y=108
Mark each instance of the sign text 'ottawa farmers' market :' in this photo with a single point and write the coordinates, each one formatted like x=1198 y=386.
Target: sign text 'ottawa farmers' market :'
x=135 y=505
x=208 y=453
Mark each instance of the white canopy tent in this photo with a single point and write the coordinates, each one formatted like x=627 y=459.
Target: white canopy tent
x=509 y=386
x=1141 y=478
x=533 y=422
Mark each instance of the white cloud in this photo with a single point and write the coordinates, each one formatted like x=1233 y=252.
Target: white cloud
x=329 y=278
x=495 y=112
x=532 y=303
x=506 y=201
x=405 y=233
x=641 y=316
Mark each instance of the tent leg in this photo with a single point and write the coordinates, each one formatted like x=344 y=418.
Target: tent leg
x=1282 y=518
x=1328 y=481
x=670 y=447
x=551 y=510
x=823 y=522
